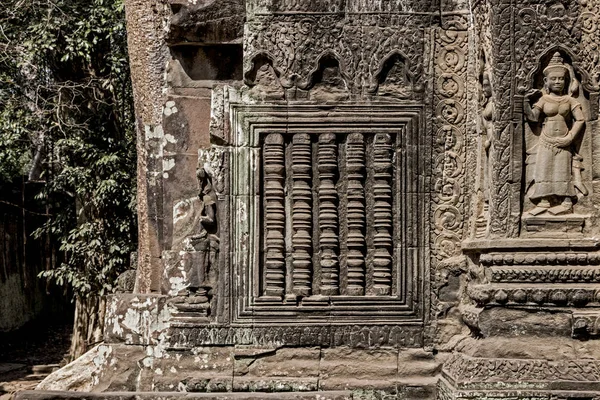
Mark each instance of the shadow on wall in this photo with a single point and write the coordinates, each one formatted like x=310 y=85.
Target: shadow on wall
x=23 y=296
x=222 y=62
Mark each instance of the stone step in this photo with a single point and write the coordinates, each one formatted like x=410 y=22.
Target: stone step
x=408 y=392
x=5 y=368
x=44 y=368
x=57 y=395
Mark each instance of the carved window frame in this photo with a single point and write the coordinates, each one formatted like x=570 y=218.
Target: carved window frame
x=249 y=124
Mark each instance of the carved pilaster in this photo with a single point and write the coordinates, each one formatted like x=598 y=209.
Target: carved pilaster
x=355 y=159
x=301 y=214
x=328 y=214
x=274 y=169
x=382 y=212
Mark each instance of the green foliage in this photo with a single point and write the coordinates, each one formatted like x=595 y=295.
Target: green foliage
x=65 y=95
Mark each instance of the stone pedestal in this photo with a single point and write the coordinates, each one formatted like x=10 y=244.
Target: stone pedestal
x=554 y=225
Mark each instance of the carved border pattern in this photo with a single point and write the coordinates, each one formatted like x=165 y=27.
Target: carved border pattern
x=468 y=371
x=501 y=201
x=357 y=336
x=340 y=6
x=445 y=391
x=546 y=275
x=581 y=295
x=547 y=258
x=449 y=153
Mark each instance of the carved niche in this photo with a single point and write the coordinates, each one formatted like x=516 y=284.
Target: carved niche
x=263 y=80
x=557 y=151
x=521 y=39
x=486 y=138
x=191 y=272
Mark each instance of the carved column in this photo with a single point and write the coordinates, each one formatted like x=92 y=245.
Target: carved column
x=328 y=214
x=355 y=159
x=274 y=170
x=382 y=212
x=301 y=214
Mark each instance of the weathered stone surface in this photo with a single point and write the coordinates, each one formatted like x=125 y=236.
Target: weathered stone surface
x=280 y=370
x=148 y=55
x=199 y=370
x=135 y=319
x=506 y=322
x=344 y=368
x=417 y=363
x=206 y=22
x=105 y=367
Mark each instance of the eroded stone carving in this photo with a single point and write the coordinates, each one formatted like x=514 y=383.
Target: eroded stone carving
x=486 y=140
x=263 y=80
x=553 y=164
x=327 y=82
x=195 y=237
x=393 y=79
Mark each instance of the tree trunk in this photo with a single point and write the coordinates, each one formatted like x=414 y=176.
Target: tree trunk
x=88 y=325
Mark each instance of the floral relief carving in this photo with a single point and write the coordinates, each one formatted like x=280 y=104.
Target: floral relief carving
x=358 y=41
x=448 y=213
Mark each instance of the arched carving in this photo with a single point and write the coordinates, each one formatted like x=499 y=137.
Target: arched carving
x=535 y=76
x=393 y=78
x=264 y=79
x=327 y=80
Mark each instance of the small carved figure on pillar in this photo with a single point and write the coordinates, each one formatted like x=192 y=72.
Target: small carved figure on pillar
x=195 y=235
x=486 y=130
x=554 y=167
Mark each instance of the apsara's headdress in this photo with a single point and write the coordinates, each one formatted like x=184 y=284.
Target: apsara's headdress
x=556 y=62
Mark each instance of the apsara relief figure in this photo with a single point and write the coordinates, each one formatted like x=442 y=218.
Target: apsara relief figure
x=554 y=167
x=195 y=232
x=486 y=131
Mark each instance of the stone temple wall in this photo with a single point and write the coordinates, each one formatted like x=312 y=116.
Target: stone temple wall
x=361 y=199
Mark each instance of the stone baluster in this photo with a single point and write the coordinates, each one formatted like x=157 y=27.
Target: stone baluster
x=274 y=175
x=382 y=214
x=301 y=215
x=355 y=165
x=328 y=214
